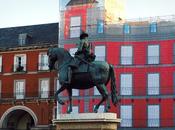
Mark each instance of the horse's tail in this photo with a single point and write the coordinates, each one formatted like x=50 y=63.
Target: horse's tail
x=113 y=86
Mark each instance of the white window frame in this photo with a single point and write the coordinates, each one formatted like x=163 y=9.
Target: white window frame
x=57 y=84
x=100 y=109
x=100 y=52
x=126 y=115
x=22 y=39
x=96 y=92
x=43 y=66
x=21 y=93
x=75 y=109
x=0 y=88
x=153 y=54
x=75 y=26
x=44 y=94
x=23 y=61
x=0 y=63
x=75 y=92
x=126 y=86
x=153 y=84
x=153 y=115
x=126 y=55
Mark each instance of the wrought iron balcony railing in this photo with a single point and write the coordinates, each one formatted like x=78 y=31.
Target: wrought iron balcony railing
x=43 y=66
x=28 y=95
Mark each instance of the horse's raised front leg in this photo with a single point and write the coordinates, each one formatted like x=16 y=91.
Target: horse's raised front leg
x=103 y=91
x=57 y=97
x=70 y=100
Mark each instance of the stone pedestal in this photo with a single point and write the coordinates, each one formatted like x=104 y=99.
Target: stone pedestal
x=87 y=121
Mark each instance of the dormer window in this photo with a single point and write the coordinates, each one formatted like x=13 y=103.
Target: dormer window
x=23 y=39
x=153 y=27
x=100 y=26
x=126 y=29
x=20 y=63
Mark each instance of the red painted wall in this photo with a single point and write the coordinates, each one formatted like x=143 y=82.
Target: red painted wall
x=42 y=108
x=72 y=12
x=140 y=70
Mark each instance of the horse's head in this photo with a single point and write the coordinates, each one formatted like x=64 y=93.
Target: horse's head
x=59 y=56
x=52 y=58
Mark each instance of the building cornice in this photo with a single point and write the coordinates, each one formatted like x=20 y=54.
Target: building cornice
x=27 y=48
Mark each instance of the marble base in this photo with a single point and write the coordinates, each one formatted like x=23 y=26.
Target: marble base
x=87 y=121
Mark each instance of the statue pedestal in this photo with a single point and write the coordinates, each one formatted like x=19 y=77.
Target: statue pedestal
x=87 y=121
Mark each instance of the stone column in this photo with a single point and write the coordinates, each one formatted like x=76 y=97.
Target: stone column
x=87 y=121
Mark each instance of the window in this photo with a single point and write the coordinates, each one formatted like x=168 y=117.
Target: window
x=75 y=109
x=75 y=92
x=0 y=88
x=72 y=51
x=101 y=108
x=44 y=88
x=57 y=84
x=0 y=63
x=96 y=92
x=19 y=89
x=153 y=84
x=153 y=27
x=43 y=61
x=100 y=52
x=126 y=115
x=153 y=116
x=126 y=84
x=75 y=23
x=126 y=55
x=153 y=54
x=22 y=38
x=20 y=63
x=100 y=26
x=126 y=29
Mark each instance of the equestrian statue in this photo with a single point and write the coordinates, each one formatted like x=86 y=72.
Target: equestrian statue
x=82 y=72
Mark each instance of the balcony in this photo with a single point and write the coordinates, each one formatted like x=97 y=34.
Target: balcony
x=126 y=60
x=22 y=96
x=43 y=66
x=19 y=68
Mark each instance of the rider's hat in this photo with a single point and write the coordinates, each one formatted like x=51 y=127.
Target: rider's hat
x=83 y=35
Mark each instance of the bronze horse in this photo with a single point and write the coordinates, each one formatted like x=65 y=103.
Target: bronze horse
x=99 y=73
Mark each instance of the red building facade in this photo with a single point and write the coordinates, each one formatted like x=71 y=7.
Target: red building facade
x=142 y=53
x=26 y=85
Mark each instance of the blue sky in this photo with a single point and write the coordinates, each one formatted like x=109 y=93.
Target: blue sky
x=29 y=12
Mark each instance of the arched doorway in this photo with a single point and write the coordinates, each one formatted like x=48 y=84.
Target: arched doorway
x=18 y=118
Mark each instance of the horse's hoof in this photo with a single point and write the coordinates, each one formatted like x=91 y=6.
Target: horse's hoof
x=69 y=111
x=95 y=110
x=106 y=111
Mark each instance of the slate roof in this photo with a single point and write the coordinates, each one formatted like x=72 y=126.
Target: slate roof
x=80 y=2
x=39 y=35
